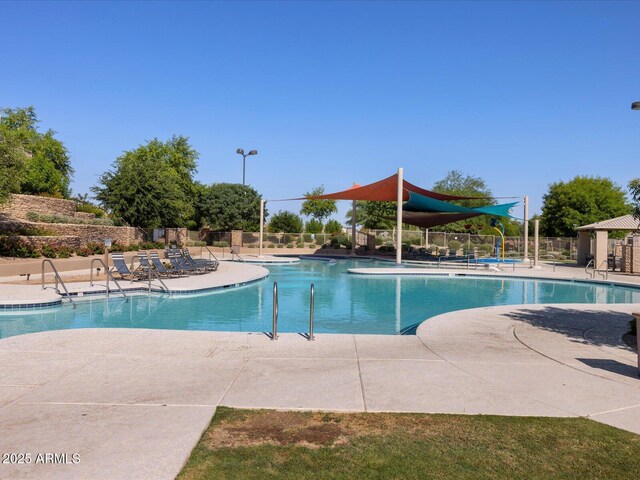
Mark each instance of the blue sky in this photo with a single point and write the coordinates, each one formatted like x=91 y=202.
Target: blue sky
x=520 y=94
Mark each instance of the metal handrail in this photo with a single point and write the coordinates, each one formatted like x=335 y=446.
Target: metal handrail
x=311 y=308
x=606 y=274
x=58 y=278
x=274 y=331
x=153 y=274
x=233 y=252
x=552 y=256
x=210 y=253
x=109 y=276
x=593 y=265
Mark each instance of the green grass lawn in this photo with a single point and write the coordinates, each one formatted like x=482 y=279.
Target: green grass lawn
x=263 y=444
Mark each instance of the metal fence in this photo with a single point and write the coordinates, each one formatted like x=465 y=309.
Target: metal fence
x=559 y=247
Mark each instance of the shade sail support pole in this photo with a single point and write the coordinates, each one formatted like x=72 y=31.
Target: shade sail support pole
x=399 y=217
x=526 y=229
x=353 y=227
x=261 y=226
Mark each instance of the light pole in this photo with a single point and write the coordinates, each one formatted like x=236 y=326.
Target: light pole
x=240 y=151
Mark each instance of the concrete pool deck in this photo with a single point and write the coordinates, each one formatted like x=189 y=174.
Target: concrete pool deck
x=229 y=274
x=133 y=403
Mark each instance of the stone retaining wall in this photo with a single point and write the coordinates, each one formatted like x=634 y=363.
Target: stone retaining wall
x=66 y=240
x=92 y=233
x=19 y=205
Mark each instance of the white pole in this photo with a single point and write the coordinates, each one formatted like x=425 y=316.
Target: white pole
x=353 y=228
x=261 y=225
x=399 y=217
x=536 y=224
x=526 y=228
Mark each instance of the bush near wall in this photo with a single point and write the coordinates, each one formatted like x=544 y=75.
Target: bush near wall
x=13 y=246
x=47 y=218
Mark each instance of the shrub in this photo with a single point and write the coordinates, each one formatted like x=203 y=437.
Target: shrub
x=44 y=218
x=290 y=245
x=348 y=245
x=454 y=244
x=333 y=226
x=299 y=245
x=83 y=252
x=280 y=245
x=12 y=246
x=196 y=243
x=307 y=237
x=89 y=208
x=271 y=245
x=64 y=251
x=95 y=248
x=49 y=251
x=485 y=247
x=313 y=226
x=149 y=246
x=379 y=241
x=415 y=241
x=313 y=245
x=335 y=242
x=221 y=243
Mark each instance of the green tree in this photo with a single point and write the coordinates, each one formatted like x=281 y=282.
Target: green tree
x=634 y=188
x=314 y=226
x=47 y=168
x=13 y=159
x=318 y=209
x=456 y=183
x=285 y=222
x=374 y=215
x=332 y=227
x=230 y=206
x=152 y=185
x=580 y=201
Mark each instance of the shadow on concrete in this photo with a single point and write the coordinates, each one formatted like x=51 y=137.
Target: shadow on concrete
x=611 y=366
x=593 y=327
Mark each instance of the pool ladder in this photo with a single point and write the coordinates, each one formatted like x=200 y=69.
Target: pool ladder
x=274 y=328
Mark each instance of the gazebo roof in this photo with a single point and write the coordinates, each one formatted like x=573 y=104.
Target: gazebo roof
x=626 y=222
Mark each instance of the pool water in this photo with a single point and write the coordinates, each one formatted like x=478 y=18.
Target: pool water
x=344 y=303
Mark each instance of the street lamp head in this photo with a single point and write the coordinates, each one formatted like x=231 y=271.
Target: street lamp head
x=635 y=106
x=253 y=152
x=240 y=151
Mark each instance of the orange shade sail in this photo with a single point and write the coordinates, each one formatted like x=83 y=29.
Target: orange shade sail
x=385 y=190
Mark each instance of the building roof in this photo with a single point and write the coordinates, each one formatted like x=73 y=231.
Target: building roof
x=626 y=222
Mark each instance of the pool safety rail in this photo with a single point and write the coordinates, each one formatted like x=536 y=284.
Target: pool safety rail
x=109 y=277
x=591 y=264
x=58 y=280
x=235 y=253
x=274 y=328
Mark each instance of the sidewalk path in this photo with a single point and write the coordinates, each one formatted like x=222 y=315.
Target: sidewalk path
x=133 y=403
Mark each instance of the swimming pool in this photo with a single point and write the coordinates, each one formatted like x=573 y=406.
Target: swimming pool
x=345 y=303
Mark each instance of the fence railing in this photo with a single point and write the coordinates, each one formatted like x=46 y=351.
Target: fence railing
x=561 y=248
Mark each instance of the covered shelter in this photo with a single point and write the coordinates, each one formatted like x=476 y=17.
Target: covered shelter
x=600 y=231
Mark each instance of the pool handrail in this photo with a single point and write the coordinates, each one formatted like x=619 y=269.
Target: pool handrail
x=592 y=264
x=109 y=276
x=210 y=253
x=605 y=276
x=58 y=278
x=274 y=328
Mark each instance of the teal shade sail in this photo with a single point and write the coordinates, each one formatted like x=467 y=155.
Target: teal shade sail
x=420 y=203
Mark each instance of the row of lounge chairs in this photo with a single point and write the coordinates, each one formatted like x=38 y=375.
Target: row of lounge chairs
x=182 y=264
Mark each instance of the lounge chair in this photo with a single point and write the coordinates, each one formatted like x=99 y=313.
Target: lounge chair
x=161 y=269
x=179 y=265
x=121 y=267
x=210 y=265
